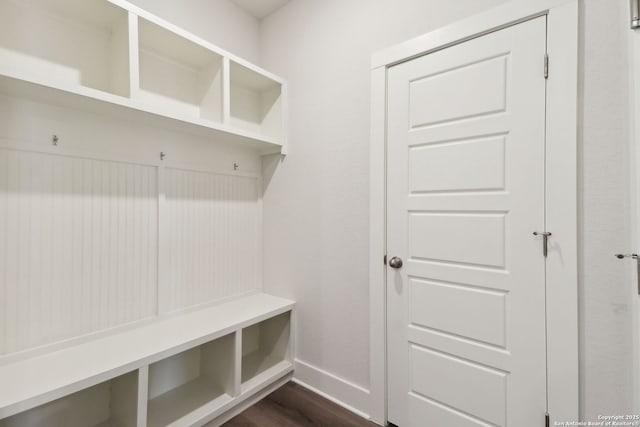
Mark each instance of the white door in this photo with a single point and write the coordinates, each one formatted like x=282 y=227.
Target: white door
x=465 y=191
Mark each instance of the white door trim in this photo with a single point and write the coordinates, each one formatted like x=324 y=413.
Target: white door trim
x=561 y=189
x=634 y=108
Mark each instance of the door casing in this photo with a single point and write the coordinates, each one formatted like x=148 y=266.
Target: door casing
x=634 y=167
x=560 y=188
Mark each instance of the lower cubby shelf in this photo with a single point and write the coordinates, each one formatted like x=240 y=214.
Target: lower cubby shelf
x=191 y=380
x=186 y=370
x=265 y=348
x=109 y=404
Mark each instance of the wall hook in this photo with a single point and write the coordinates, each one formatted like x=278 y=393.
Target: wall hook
x=236 y=166
x=54 y=140
x=163 y=155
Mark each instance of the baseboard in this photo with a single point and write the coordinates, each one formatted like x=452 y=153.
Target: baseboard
x=342 y=392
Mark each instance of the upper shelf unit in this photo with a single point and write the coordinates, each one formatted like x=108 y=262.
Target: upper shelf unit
x=74 y=43
x=109 y=56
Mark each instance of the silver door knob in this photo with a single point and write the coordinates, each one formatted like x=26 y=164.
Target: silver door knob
x=395 y=262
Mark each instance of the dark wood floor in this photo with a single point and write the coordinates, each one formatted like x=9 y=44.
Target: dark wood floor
x=293 y=406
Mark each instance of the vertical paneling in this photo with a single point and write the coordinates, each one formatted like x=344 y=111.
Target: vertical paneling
x=213 y=237
x=78 y=246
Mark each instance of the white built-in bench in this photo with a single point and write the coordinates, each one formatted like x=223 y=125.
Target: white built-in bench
x=184 y=370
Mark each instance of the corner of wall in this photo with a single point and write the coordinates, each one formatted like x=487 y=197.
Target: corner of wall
x=342 y=392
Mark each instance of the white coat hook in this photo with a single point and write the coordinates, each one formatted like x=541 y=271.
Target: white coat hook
x=236 y=166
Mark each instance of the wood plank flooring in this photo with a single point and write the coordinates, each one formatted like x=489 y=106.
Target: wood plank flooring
x=295 y=406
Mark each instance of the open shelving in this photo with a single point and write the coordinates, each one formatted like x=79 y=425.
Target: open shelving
x=256 y=102
x=184 y=370
x=66 y=42
x=201 y=378
x=179 y=75
x=111 y=57
x=109 y=404
x=266 y=348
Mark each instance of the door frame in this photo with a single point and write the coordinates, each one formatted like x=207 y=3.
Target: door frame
x=634 y=168
x=561 y=176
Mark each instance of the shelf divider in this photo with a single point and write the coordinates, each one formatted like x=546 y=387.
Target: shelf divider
x=226 y=91
x=237 y=355
x=134 y=57
x=143 y=395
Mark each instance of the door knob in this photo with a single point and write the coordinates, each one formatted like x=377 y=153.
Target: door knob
x=395 y=262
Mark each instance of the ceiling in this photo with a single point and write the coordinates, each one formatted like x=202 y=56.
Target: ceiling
x=260 y=8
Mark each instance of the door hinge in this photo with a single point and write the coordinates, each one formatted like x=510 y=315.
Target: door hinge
x=385 y=260
x=545 y=241
x=546 y=65
x=547 y=421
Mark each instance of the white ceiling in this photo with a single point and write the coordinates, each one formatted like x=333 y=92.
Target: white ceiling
x=260 y=8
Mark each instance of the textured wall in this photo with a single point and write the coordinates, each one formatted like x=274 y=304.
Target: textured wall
x=605 y=282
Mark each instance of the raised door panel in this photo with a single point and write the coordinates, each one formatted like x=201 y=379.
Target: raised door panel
x=476 y=165
x=462 y=92
x=469 y=387
x=463 y=237
x=468 y=312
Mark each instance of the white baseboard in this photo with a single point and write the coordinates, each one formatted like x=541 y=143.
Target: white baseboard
x=342 y=392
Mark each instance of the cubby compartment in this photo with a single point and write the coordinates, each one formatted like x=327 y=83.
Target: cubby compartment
x=256 y=102
x=177 y=75
x=66 y=43
x=266 y=349
x=109 y=404
x=197 y=380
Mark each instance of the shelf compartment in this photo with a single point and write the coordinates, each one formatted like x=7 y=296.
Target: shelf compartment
x=67 y=43
x=256 y=103
x=197 y=380
x=109 y=404
x=178 y=75
x=266 y=349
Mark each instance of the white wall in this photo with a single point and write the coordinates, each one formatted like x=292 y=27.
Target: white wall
x=605 y=282
x=316 y=202
x=219 y=21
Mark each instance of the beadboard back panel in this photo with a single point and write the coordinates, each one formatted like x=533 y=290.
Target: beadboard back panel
x=78 y=246
x=89 y=244
x=213 y=246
